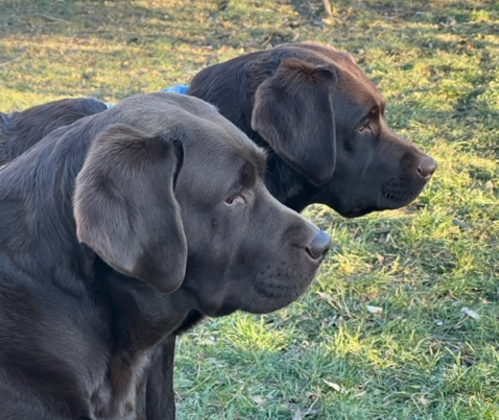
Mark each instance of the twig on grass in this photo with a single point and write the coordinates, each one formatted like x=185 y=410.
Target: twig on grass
x=52 y=18
x=6 y=63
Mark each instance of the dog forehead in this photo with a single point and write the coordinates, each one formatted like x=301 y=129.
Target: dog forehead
x=210 y=135
x=218 y=143
x=324 y=54
x=166 y=105
x=206 y=134
x=351 y=78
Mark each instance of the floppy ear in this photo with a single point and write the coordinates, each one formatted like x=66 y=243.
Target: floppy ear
x=293 y=112
x=125 y=208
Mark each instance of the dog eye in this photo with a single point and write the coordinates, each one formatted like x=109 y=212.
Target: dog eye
x=235 y=199
x=364 y=125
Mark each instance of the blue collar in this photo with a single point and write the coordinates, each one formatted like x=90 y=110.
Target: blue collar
x=177 y=89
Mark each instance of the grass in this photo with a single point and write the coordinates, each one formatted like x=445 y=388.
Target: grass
x=326 y=356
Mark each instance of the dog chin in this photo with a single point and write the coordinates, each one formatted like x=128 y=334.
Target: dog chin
x=357 y=211
x=268 y=307
x=260 y=307
x=393 y=203
x=261 y=304
x=223 y=311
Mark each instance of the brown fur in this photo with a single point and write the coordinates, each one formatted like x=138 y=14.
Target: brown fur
x=306 y=105
x=21 y=130
x=99 y=219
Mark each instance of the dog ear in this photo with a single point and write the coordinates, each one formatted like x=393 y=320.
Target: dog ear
x=293 y=112
x=125 y=208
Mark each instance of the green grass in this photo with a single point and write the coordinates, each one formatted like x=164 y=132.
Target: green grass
x=326 y=355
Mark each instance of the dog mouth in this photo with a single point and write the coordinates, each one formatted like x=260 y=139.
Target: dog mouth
x=393 y=194
x=271 y=287
x=397 y=193
x=278 y=290
x=265 y=297
x=285 y=284
x=395 y=199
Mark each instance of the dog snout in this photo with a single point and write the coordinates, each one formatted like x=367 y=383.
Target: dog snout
x=319 y=246
x=427 y=166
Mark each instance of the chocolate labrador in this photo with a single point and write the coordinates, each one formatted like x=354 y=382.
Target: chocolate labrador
x=113 y=231
x=321 y=121
x=310 y=106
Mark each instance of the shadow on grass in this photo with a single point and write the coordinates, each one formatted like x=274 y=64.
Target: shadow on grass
x=460 y=17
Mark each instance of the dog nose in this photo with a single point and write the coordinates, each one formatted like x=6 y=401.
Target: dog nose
x=427 y=167
x=319 y=246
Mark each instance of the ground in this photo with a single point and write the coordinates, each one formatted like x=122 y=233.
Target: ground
x=433 y=350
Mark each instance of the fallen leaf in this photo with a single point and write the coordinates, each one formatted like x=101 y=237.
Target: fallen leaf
x=374 y=309
x=336 y=387
x=471 y=313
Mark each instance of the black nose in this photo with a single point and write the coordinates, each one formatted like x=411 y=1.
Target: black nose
x=319 y=246
x=427 y=167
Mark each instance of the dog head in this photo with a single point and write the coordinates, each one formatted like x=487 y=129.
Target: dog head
x=152 y=215
x=318 y=113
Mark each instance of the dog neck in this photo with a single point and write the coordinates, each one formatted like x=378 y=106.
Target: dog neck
x=145 y=318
